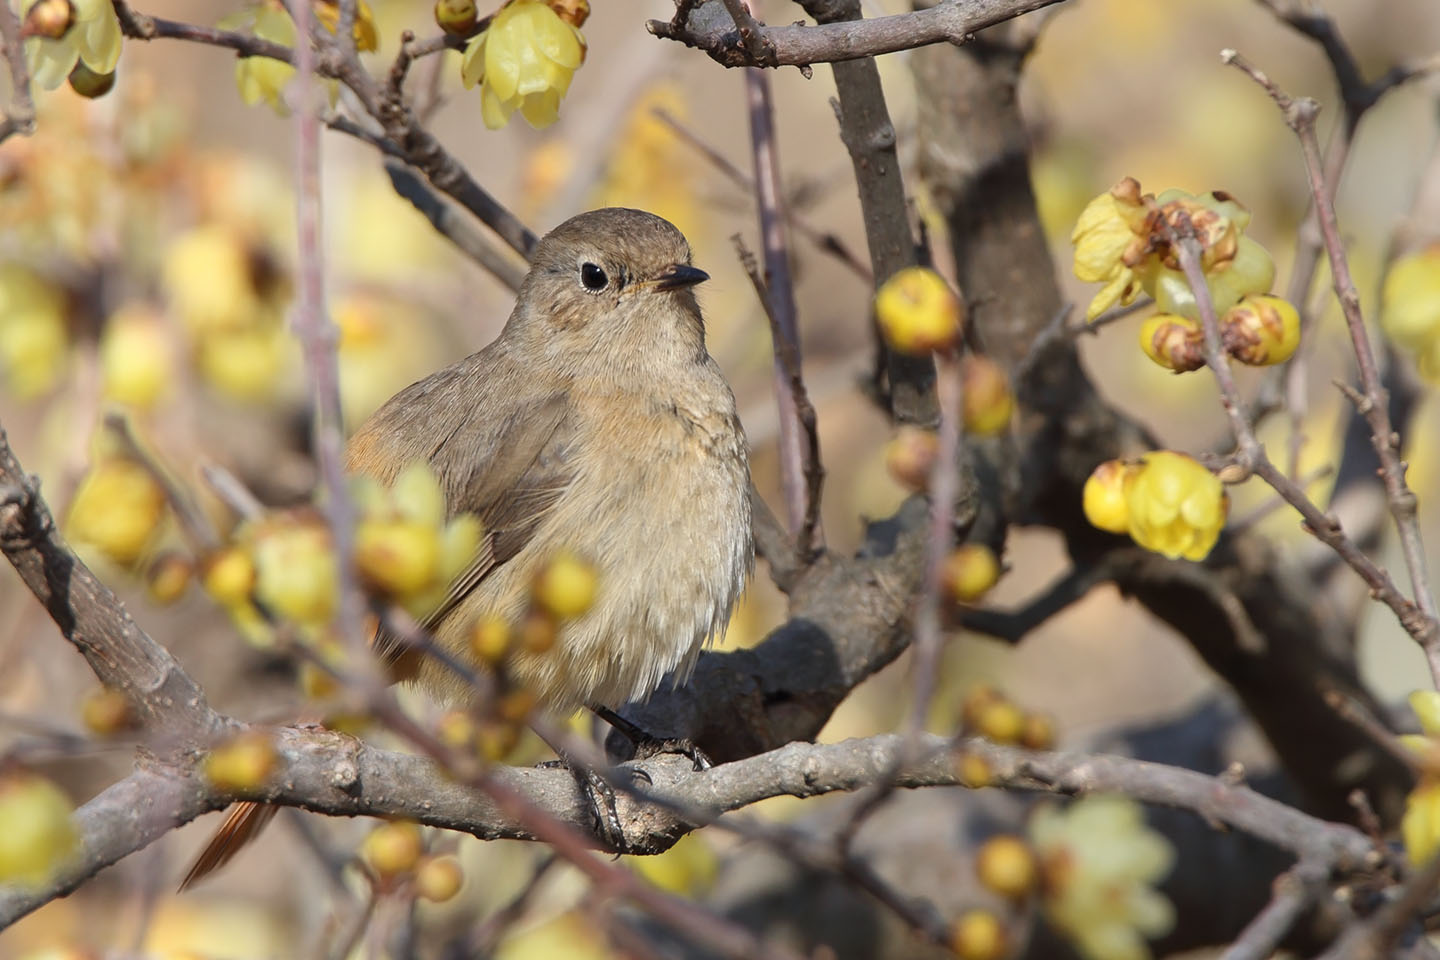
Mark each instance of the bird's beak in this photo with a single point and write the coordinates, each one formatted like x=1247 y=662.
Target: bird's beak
x=679 y=275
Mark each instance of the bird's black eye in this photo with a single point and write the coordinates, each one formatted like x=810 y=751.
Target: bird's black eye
x=593 y=277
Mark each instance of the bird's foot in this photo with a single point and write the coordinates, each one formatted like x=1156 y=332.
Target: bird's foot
x=600 y=798
x=647 y=745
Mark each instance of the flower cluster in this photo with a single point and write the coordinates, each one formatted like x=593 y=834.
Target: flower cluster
x=1098 y=863
x=1167 y=502
x=1410 y=308
x=1259 y=330
x=525 y=59
x=1121 y=240
x=988 y=713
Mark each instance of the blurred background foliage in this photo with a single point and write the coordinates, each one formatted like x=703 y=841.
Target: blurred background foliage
x=145 y=263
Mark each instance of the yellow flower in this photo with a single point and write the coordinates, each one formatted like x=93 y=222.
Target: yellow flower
x=39 y=834
x=327 y=12
x=987 y=400
x=566 y=587
x=1099 y=860
x=523 y=61
x=918 y=312
x=207 y=276
x=296 y=575
x=1174 y=506
x=116 y=509
x=1410 y=307
x=1261 y=330
x=93 y=39
x=246 y=364
x=1109 y=241
x=136 y=357
x=34 y=344
x=969 y=572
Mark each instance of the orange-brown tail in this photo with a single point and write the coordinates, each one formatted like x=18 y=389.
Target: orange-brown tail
x=243 y=824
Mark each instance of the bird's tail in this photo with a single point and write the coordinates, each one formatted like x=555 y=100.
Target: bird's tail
x=242 y=825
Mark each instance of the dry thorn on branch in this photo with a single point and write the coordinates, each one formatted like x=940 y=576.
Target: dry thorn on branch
x=949 y=21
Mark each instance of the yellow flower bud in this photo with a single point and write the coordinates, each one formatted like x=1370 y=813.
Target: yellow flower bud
x=1174 y=342
x=438 y=879
x=972 y=771
x=393 y=848
x=910 y=457
x=979 y=935
x=1006 y=865
x=106 y=712
x=1175 y=506
x=39 y=836
x=538 y=632
x=456 y=17
x=228 y=575
x=566 y=587
x=1000 y=722
x=1261 y=330
x=988 y=402
x=494 y=741
x=969 y=572
x=524 y=60
x=116 y=509
x=244 y=764
x=50 y=19
x=918 y=312
x=977 y=698
x=1104 y=496
x=1039 y=732
x=168 y=577
x=398 y=558
x=490 y=640
x=455 y=729
x=136 y=357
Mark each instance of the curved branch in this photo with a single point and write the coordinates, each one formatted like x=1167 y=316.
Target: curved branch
x=709 y=28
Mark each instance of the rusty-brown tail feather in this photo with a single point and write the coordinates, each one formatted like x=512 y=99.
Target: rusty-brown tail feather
x=242 y=825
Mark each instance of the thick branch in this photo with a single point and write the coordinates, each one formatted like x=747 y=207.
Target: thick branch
x=121 y=655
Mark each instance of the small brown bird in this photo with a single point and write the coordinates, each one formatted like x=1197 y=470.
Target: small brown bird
x=595 y=424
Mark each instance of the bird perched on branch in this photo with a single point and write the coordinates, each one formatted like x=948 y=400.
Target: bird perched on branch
x=596 y=425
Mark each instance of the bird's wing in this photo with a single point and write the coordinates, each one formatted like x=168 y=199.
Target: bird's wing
x=503 y=451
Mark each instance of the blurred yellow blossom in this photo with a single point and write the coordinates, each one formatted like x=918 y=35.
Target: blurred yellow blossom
x=247 y=364
x=1420 y=826
x=566 y=587
x=92 y=39
x=524 y=60
x=39 y=835
x=296 y=572
x=1099 y=861
x=136 y=356
x=405 y=546
x=209 y=278
x=649 y=166
x=262 y=79
x=34 y=343
x=117 y=509
x=1410 y=308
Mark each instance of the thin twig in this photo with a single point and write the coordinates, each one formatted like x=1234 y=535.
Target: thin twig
x=796 y=465
x=1294 y=891
x=193 y=523
x=1300 y=117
